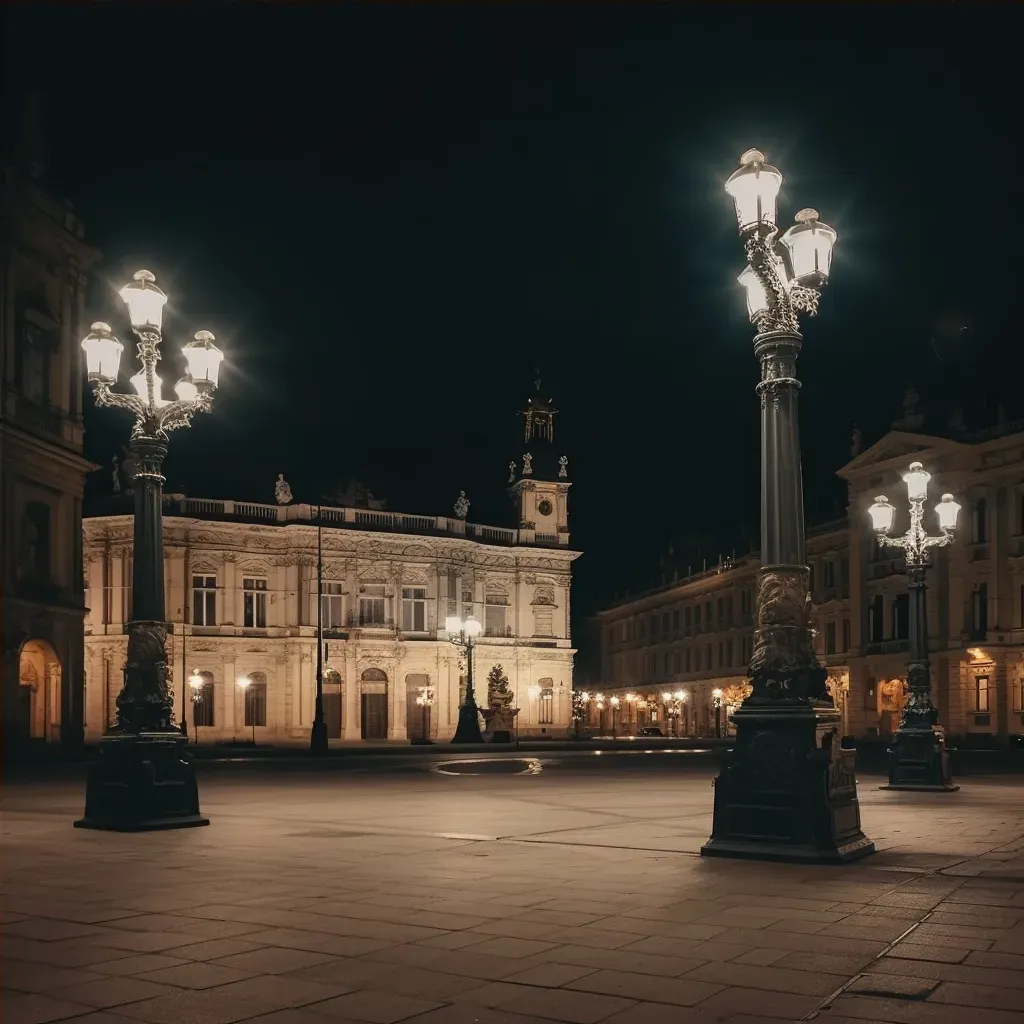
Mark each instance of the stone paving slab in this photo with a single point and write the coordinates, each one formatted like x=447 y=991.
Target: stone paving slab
x=359 y=898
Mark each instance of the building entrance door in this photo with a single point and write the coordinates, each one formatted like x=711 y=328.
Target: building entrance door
x=332 y=715
x=375 y=716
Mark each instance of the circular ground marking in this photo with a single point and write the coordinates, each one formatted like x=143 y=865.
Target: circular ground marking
x=490 y=766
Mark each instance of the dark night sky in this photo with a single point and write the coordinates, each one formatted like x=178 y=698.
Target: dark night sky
x=389 y=216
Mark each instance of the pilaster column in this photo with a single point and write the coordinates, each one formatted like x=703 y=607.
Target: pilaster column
x=351 y=728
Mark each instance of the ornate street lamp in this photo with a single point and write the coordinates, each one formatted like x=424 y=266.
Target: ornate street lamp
x=425 y=701
x=142 y=779
x=463 y=633
x=673 y=704
x=614 y=701
x=918 y=758
x=244 y=682
x=195 y=683
x=787 y=790
x=580 y=704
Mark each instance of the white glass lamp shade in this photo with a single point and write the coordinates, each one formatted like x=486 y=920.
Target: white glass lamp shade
x=203 y=359
x=614 y=701
x=680 y=695
x=631 y=698
x=666 y=697
x=585 y=697
x=599 y=697
x=757 y=297
x=139 y=383
x=472 y=626
x=947 y=511
x=102 y=353
x=716 y=693
x=186 y=390
x=195 y=681
x=145 y=301
x=916 y=479
x=810 y=248
x=453 y=624
x=243 y=682
x=755 y=190
x=882 y=514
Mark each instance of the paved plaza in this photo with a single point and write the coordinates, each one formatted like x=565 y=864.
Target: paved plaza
x=413 y=891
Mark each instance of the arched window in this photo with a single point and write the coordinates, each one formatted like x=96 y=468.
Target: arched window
x=256 y=700
x=202 y=709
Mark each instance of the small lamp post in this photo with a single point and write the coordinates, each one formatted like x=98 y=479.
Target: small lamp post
x=614 y=702
x=195 y=683
x=144 y=746
x=463 y=633
x=425 y=701
x=788 y=718
x=918 y=758
x=716 y=697
x=244 y=682
x=580 y=704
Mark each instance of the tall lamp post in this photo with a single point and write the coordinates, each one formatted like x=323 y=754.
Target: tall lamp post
x=244 y=682
x=787 y=790
x=918 y=758
x=195 y=683
x=463 y=633
x=318 y=745
x=142 y=779
x=425 y=701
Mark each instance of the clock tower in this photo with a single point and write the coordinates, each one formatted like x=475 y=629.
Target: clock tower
x=539 y=475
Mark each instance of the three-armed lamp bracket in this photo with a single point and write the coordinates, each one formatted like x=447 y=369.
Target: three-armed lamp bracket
x=915 y=543
x=155 y=415
x=775 y=294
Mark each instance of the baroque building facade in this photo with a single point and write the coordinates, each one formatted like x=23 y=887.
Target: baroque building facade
x=241 y=596
x=693 y=637
x=44 y=260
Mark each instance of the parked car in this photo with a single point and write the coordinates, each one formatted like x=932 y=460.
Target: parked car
x=651 y=730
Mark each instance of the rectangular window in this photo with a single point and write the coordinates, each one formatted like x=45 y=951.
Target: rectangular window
x=332 y=601
x=846 y=635
x=979 y=609
x=414 y=609
x=875 y=621
x=675 y=621
x=256 y=705
x=254 y=608
x=543 y=620
x=979 y=522
x=844 y=571
x=830 y=573
x=901 y=617
x=677 y=662
x=496 y=616
x=830 y=634
x=709 y=616
x=696 y=618
x=710 y=657
x=981 y=694
x=547 y=706
x=371 y=604
x=696 y=659
x=665 y=664
x=204 y=600
x=664 y=622
x=721 y=653
x=687 y=621
x=732 y=651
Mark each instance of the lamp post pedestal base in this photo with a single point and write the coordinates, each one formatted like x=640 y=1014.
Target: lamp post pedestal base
x=918 y=760
x=787 y=790
x=468 y=729
x=318 y=745
x=142 y=782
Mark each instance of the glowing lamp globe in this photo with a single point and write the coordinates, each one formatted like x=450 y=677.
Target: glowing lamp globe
x=139 y=383
x=810 y=248
x=585 y=696
x=472 y=626
x=102 y=353
x=947 y=511
x=666 y=697
x=680 y=695
x=186 y=390
x=203 y=359
x=195 y=681
x=757 y=297
x=453 y=624
x=631 y=698
x=882 y=514
x=916 y=480
x=614 y=701
x=243 y=682
x=145 y=302
x=755 y=190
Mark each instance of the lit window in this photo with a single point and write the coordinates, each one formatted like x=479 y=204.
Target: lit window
x=254 y=609
x=547 y=702
x=332 y=605
x=256 y=700
x=371 y=605
x=204 y=600
x=981 y=699
x=495 y=613
x=202 y=709
x=414 y=609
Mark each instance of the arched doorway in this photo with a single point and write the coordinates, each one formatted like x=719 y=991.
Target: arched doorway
x=39 y=686
x=373 y=699
x=333 y=703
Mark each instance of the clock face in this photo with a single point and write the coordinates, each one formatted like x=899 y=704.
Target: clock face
x=544 y=507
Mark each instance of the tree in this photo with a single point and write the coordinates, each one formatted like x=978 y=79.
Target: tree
x=499 y=696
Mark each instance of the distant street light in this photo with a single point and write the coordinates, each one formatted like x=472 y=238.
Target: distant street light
x=463 y=633
x=123 y=793
x=195 y=683
x=918 y=758
x=425 y=701
x=787 y=790
x=244 y=682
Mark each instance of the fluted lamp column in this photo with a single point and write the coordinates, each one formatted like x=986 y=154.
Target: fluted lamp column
x=463 y=633
x=142 y=779
x=787 y=789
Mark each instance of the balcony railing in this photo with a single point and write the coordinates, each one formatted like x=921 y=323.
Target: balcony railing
x=366 y=519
